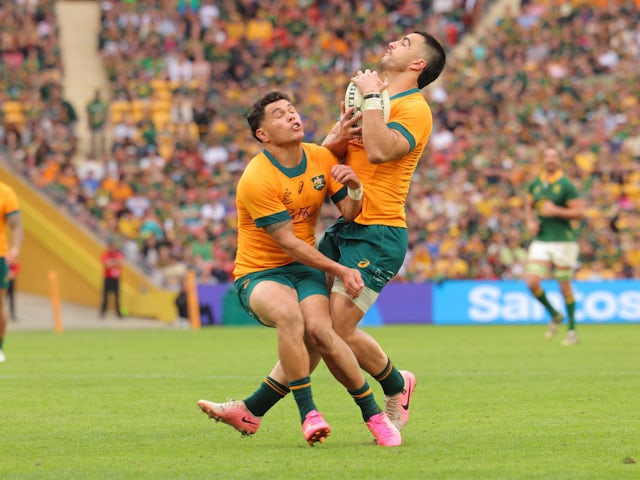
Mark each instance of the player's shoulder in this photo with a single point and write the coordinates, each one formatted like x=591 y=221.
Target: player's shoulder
x=315 y=148
x=410 y=98
x=257 y=164
x=315 y=152
x=257 y=168
x=409 y=103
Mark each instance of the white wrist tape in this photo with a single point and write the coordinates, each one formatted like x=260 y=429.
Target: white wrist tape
x=355 y=194
x=373 y=103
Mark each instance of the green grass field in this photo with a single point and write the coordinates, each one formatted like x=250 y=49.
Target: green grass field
x=491 y=402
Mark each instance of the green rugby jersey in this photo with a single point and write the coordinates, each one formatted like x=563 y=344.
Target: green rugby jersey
x=560 y=191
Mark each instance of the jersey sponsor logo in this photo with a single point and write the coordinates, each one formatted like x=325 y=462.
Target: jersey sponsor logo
x=319 y=182
x=286 y=199
x=302 y=213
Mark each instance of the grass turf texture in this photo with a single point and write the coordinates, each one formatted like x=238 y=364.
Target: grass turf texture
x=491 y=402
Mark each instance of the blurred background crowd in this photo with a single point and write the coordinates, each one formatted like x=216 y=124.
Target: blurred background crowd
x=169 y=139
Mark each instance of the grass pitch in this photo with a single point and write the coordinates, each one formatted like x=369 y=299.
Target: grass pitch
x=491 y=402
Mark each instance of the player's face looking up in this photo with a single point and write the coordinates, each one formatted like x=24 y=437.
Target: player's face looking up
x=281 y=124
x=402 y=53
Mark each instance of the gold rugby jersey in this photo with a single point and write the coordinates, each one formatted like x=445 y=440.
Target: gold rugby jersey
x=268 y=193
x=386 y=185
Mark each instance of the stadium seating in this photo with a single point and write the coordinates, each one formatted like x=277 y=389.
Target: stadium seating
x=493 y=108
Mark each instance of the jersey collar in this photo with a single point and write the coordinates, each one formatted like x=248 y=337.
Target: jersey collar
x=289 y=172
x=405 y=93
x=549 y=179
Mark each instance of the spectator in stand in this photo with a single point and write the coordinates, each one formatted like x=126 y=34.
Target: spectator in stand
x=58 y=108
x=171 y=268
x=125 y=132
x=90 y=183
x=203 y=113
x=97 y=113
x=201 y=245
x=151 y=224
x=149 y=250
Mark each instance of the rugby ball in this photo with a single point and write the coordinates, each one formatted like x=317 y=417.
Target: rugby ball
x=353 y=98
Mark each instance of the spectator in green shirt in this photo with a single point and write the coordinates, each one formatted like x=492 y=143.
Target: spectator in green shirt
x=97 y=111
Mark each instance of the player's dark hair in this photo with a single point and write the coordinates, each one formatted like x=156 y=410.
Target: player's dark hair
x=436 y=58
x=256 y=114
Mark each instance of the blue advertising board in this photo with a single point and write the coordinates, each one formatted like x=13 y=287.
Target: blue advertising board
x=405 y=303
x=468 y=302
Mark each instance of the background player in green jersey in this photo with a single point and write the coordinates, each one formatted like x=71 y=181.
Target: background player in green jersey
x=552 y=204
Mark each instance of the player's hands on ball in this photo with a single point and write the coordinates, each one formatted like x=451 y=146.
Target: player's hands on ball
x=369 y=82
x=352 y=280
x=347 y=127
x=345 y=175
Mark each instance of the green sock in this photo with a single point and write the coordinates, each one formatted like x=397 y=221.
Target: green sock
x=542 y=298
x=301 y=390
x=571 y=313
x=1 y=342
x=266 y=396
x=391 y=380
x=363 y=397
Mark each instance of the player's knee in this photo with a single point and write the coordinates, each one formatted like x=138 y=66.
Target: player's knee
x=346 y=333
x=322 y=340
x=533 y=282
x=315 y=335
x=535 y=273
x=286 y=318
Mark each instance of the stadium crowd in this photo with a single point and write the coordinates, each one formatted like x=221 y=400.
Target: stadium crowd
x=184 y=72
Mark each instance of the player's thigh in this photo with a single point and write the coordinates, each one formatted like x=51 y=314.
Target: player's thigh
x=540 y=252
x=565 y=255
x=539 y=258
x=276 y=304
